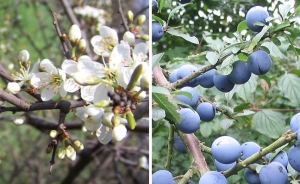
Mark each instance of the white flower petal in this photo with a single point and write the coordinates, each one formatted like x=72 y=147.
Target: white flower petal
x=87 y=92
x=101 y=92
x=104 y=134
x=120 y=56
x=40 y=80
x=47 y=66
x=69 y=66
x=71 y=86
x=49 y=92
x=107 y=32
x=85 y=64
x=119 y=132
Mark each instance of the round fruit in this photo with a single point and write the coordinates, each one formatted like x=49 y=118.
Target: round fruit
x=206 y=80
x=190 y=101
x=222 y=83
x=240 y=73
x=190 y=121
x=273 y=173
x=295 y=122
x=162 y=177
x=256 y=14
x=293 y=157
x=173 y=76
x=248 y=149
x=154 y=6
x=157 y=31
x=186 y=70
x=226 y=149
x=206 y=111
x=281 y=157
x=251 y=176
x=259 y=62
x=179 y=145
x=223 y=167
x=213 y=177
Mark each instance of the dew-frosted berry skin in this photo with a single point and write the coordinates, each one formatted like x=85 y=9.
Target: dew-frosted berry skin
x=212 y=177
x=206 y=111
x=190 y=121
x=248 y=149
x=173 y=76
x=223 y=167
x=186 y=70
x=294 y=158
x=179 y=145
x=162 y=177
x=206 y=80
x=259 y=62
x=281 y=157
x=157 y=31
x=295 y=122
x=190 y=101
x=226 y=149
x=251 y=176
x=256 y=14
x=273 y=173
x=240 y=73
x=222 y=83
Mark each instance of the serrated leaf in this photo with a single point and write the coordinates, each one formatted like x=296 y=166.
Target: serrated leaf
x=242 y=26
x=187 y=37
x=161 y=90
x=212 y=57
x=257 y=38
x=245 y=113
x=185 y=93
x=289 y=85
x=176 y=9
x=269 y=122
x=164 y=103
x=245 y=91
x=226 y=123
x=274 y=50
x=158 y=113
x=156 y=58
x=206 y=129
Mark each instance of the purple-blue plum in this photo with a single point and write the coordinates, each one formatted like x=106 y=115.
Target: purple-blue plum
x=240 y=73
x=223 y=167
x=259 y=62
x=298 y=135
x=248 y=149
x=222 y=83
x=190 y=182
x=251 y=176
x=162 y=177
x=186 y=70
x=294 y=158
x=206 y=111
x=190 y=101
x=295 y=122
x=256 y=14
x=206 y=80
x=212 y=177
x=226 y=149
x=281 y=157
x=179 y=145
x=273 y=173
x=190 y=121
x=173 y=76
x=157 y=31
x=154 y=6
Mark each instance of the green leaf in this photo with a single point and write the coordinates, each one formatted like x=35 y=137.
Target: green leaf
x=161 y=90
x=179 y=102
x=178 y=92
x=297 y=10
x=274 y=50
x=161 y=4
x=187 y=37
x=242 y=56
x=293 y=173
x=206 y=129
x=257 y=38
x=156 y=58
x=176 y=9
x=281 y=26
x=212 y=57
x=242 y=26
x=275 y=153
x=158 y=113
x=245 y=113
x=289 y=84
x=226 y=123
x=269 y=122
x=164 y=103
x=246 y=90
x=161 y=21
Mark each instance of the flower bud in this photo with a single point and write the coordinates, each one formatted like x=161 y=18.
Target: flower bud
x=81 y=46
x=53 y=133
x=86 y=79
x=119 y=132
x=116 y=120
x=130 y=16
x=145 y=82
x=23 y=56
x=143 y=162
x=145 y=37
x=107 y=119
x=130 y=120
x=102 y=103
x=78 y=145
x=13 y=87
x=129 y=37
x=61 y=152
x=19 y=121
x=70 y=153
x=135 y=77
x=141 y=20
x=49 y=148
x=74 y=35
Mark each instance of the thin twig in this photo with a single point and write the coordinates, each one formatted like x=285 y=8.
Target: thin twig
x=122 y=16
